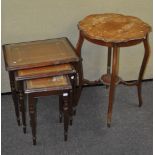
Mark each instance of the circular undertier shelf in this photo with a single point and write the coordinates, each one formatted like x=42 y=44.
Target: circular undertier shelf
x=106 y=79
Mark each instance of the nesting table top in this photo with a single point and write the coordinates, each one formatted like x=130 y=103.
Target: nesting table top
x=44 y=70
x=39 y=53
x=111 y=27
x=47 y=83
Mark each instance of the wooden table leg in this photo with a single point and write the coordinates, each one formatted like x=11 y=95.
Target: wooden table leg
x=109 y=60
x=79 y=44
x=79 y=67
x=142 y=69
x=74 y=99
x=112 y=85
x=109 y=63
x=78 y=50
x=60 y=108
x=22 y=104
x=14 y=96
x=70 y=105
x=32 y=112
x=73 y=79
x=66 y=114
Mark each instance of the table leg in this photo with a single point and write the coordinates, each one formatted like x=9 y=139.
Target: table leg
x=74 y=100
x=78 y=50
x=70 y=105
x=14 y=96
x=112 y=84
x=66 y=114
x=32 y=112
x=142 y=69
x=60 y=108
x=108 y=63
x=73 y=79
x=79 y=44
x=22 y=104
x=79 y=66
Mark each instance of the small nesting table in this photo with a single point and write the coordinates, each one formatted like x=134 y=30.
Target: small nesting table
x=57 y=85
x=115 y=31
x=34 y=54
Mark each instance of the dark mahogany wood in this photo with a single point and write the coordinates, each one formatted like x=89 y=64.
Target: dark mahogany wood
x=32 y=113
x=22 y=104
x=60 y=108
x=73 y=78
x=66 y=110
x=79 y=78
x=42 y=62
x=65 y=94
x=14 y=96
x=13 y=71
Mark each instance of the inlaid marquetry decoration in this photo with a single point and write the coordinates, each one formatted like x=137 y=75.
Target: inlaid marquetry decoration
x=111 y=27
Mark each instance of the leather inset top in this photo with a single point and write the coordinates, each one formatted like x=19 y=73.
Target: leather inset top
x=46 y=83
x=39 y=53
x=44 y=70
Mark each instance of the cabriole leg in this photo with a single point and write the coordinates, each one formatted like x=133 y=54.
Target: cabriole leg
x=142 y=69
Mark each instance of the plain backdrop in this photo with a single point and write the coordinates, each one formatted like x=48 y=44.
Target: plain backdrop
x=27 y=20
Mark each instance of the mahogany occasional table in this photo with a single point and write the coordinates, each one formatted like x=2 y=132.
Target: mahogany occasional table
x=115 y=31
x=34 y=54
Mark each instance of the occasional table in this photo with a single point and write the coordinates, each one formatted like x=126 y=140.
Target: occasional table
x=34 y=54
x=115 y=31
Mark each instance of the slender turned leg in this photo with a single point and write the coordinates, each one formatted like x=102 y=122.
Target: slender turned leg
x=14 y=96
x=79 y=81
x=60 y=108
x=35 y=100
x=70 y=104
x=79 y=67
x=22 y=104
x=73 y=78
x=112 y=84
x=61 y=103
x=108 y=63
x=143 y=66
x=32 y=112
x=66 y=114
x=74 y=100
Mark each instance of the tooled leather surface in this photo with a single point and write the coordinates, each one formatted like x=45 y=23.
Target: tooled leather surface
x=47 y=82
x=44 y=70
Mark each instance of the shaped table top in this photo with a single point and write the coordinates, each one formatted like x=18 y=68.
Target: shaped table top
x=110 y=27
